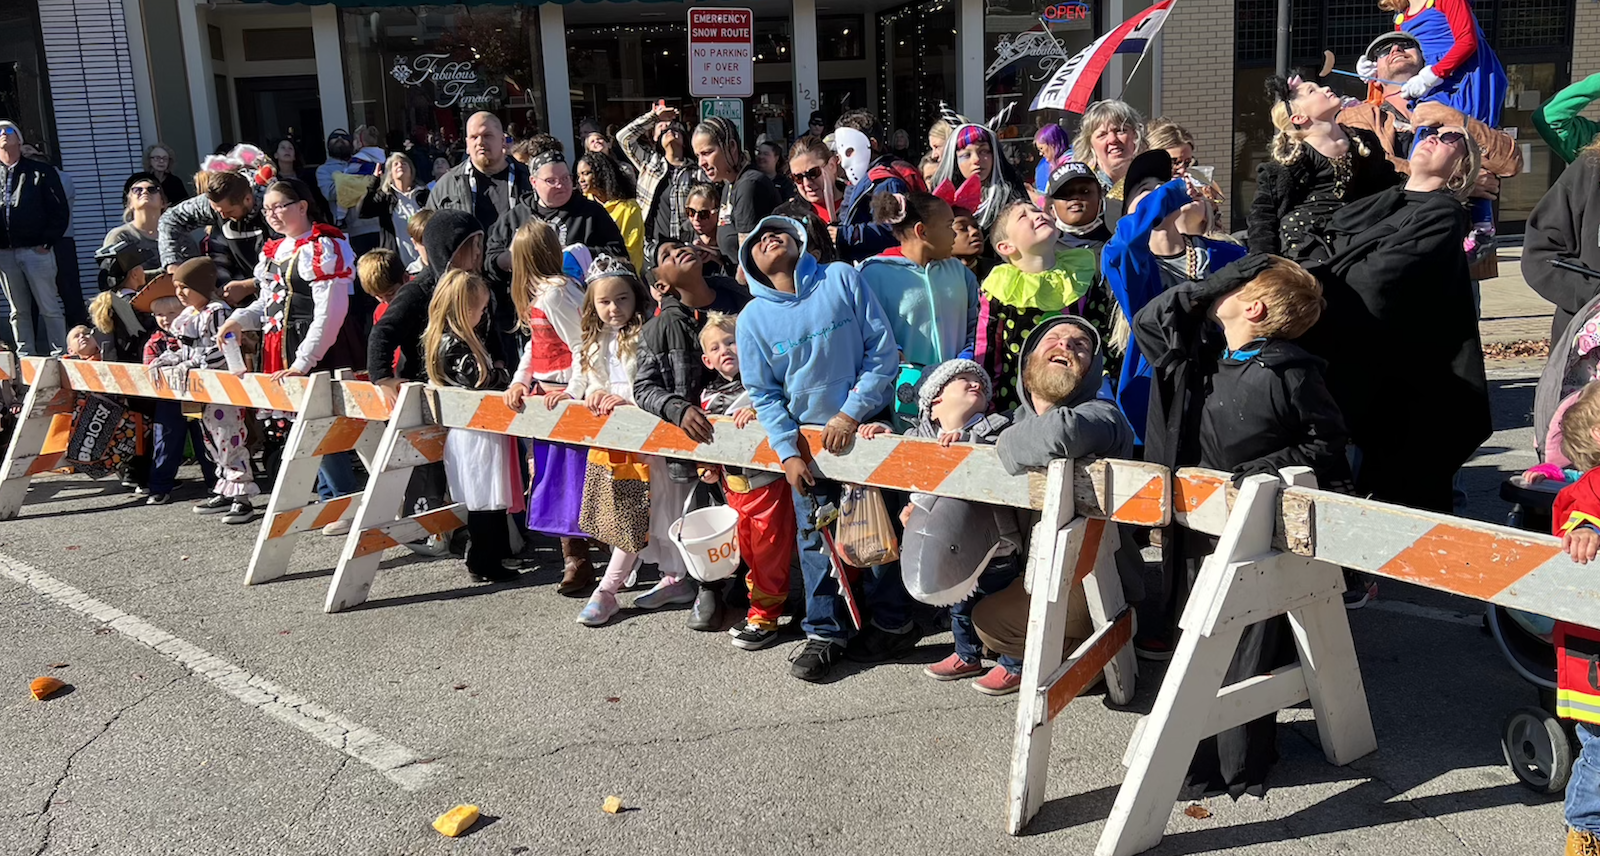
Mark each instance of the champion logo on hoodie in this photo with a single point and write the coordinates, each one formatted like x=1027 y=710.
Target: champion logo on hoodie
x=781 y=348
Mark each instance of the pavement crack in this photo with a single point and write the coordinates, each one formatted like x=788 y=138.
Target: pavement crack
x=764 y=727
x=327 y=785
x=66 y=768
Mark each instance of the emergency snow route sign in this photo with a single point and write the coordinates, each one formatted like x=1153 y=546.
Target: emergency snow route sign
x=722 y=53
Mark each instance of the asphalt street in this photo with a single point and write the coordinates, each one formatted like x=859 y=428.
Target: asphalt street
x=205 y=717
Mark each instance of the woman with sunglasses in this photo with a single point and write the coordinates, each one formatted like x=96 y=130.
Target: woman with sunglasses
x=817 y=178
x=143 y=201
x=1400 y=331
x=700 y=209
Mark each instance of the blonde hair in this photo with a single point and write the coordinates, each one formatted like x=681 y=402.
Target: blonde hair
x=447 y=313
x=380 y=273
x=536 y=264
x=1293 y=298
x=1164 y=133
x=102 y=313
x=940 y=131
x=1289 y=143
x=593 y=327
x=1107 y=114
x=722 y=322
x=1578 y=428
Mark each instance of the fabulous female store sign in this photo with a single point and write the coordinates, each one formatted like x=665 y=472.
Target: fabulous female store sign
x=451 y=80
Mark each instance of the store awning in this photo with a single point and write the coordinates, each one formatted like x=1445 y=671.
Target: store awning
x=406 y=3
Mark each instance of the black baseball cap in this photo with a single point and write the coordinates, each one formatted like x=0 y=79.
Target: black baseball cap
x=1067 y=173
x=1154 y=165
x=1381 y=44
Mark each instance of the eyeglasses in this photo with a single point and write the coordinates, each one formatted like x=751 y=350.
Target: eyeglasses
x=1182 y=163
x=697 y=213
x=144 y=190
x=812 y=174
x=278 y=209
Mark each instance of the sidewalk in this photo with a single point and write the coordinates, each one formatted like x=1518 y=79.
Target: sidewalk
x=1510 y=311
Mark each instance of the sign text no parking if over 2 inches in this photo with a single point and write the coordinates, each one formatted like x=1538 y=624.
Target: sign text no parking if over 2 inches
x=721 y=53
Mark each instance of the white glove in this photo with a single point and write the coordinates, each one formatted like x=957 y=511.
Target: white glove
x=1367 y=68
x=1424 y=82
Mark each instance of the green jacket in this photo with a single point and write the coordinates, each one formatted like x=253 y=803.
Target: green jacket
x=1560 y=125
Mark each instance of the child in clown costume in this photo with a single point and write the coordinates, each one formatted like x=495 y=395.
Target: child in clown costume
x=1461 y=69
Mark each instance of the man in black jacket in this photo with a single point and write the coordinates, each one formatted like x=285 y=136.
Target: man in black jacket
x=34 y=218
x=487 y=184
x=576 y=218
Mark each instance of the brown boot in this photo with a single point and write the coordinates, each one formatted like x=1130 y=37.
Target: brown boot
x=1580 y=843
x=578 y=571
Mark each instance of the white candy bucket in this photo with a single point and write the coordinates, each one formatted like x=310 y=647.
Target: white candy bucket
x=709 y=541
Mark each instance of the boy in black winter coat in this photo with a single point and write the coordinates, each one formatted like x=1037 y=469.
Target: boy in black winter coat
x=671 y=374
x=1247 y=400
x=1257 y=402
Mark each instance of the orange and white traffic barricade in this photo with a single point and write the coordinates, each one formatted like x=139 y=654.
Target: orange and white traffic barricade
x=1280 y=551
x=333 y=416
x=53 y=381
x=1072 y=544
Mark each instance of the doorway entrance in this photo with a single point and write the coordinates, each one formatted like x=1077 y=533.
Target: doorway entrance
x=271 y=108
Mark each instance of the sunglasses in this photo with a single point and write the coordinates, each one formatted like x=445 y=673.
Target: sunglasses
x=1182 y=163
x=697 y=213
x=144 y=190
x=10 y=132
x=812 y=174
x=1449 y=138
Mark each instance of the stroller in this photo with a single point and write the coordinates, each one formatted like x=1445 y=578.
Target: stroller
x=1539 y=747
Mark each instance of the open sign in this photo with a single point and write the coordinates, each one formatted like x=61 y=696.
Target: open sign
x=1073 y=11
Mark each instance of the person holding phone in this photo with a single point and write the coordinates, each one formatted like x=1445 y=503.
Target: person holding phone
x=657 y=144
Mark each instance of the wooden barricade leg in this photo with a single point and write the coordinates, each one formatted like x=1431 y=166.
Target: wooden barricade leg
x=290 y=513
x=1243 y=582
x=412 y=438
x=46 y=397
x=1065 y=551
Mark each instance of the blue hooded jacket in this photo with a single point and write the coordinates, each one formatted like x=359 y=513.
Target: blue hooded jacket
x=933 y=310
x=1132 y=273
x=808 y=356
x=859 y=237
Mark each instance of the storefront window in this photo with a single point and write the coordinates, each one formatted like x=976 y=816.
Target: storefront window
x=840 y=37
x=24 y=93
x=1025 y=41
x=617 y=72
x=921 y=60
x=419 y=72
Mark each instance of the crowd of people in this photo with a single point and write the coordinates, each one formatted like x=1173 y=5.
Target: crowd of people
x=1096 y=310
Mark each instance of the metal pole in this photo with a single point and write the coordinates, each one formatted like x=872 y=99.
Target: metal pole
x=1284 y=11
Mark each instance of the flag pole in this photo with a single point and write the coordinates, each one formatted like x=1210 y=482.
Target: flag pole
x=1147 y=45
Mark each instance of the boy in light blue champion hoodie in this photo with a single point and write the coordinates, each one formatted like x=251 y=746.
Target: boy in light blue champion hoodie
x=815 y=348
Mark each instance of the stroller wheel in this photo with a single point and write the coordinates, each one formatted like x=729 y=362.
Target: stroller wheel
x=1515 y=517
x=1537 y=748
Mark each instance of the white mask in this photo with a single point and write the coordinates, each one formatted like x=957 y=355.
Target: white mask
x=855 y=153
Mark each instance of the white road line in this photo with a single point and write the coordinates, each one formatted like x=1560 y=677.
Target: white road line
x=1400 y=607
x=405 y=767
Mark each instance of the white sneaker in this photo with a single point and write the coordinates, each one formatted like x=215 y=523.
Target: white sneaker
x=336 y=528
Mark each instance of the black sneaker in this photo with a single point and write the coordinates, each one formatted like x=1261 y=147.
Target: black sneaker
x=749 y=637
x=814 y=660
x=214 y=504
x=241 y=511
x=158 y=499
x=875 y=645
